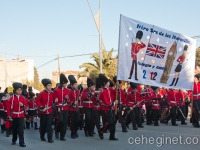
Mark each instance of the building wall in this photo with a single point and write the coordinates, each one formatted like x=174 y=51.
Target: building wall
x=30 y=69
x=81 y=80
x=15 y=71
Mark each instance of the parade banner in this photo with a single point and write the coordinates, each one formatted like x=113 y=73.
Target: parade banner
x=151 y=55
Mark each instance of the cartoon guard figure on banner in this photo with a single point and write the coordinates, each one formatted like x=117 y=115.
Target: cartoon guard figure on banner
x=136 y=47
x=178 y=68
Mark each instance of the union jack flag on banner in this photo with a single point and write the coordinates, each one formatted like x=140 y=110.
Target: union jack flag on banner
x=156 y=51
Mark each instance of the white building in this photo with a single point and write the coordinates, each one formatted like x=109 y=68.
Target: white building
x=15 y=71
x=81 y=80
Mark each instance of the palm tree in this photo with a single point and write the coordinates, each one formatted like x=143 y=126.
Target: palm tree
x=109 y=65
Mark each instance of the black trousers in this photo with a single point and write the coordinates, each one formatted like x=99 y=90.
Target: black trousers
x=182 y=108
x=104 y=119
x=134 y=64
x=89 y=118
x=196 y=113
x=137 y=111
x=155 y=114
x=148 y=114
x=186 y=109
x=62 y=122
x=75 y=121
x=18 y=128
x=81 y=117
x=97 y=118
x=172 y=115
x=131 y=117
x=109 y=115
x=46 y=125
x=120 y=118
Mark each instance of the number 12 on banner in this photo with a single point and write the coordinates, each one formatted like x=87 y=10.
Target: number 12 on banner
x=149 y=75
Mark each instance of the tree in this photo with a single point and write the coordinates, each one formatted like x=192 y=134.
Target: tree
x=198 y=56
x=109 y=65
x=36 y=84
x=53 y=83
x=27 y=82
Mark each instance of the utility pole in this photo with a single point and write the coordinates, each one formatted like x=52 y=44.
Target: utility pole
x=5 y=67
x=100 y=52
x=58 y=58
x=98 y=25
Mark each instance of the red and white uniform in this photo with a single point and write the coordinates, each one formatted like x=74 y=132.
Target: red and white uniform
x=14 y=109
x=135 y=49
x=189 y=92
x=148 y=95
x=129 y=90
x=196 y=91
x=60 y=94
x=138 y=89
x=133 y=98
x=6 y=104
x=97 y=102
x=172 y=99
x=155 y=101
x=88 y=102
x=162 y=92
x=106 y=98
x=74 y=95
x=31 y=105
x=121 y=96
x=181 y=96
x=45 y=99
x=80 y=103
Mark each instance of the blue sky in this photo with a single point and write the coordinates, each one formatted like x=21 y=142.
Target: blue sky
x=65 y=26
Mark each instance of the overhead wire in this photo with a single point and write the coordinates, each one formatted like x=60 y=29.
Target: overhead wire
x=14 y=77
x=194 y=37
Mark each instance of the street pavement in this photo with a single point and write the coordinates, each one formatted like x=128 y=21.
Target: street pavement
x=33 y=142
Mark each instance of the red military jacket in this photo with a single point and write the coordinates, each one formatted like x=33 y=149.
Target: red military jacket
x=135 y=49
x=121 y=96
x=148 y=94
x=106 y=98
x=172 y=99
x=74 y=95
x=14 y=109
x=60 y=94
x=129 y=90
x=6 y=104
x=156 y=102
x=45 y=100
x=181 y=96
x=112 y=93
x=88 y=102
x=97 y=102
x=138 y=89
x=31 y=105
x=162 y=92
x=133 y=98
x=196 y=91
x=189 y=92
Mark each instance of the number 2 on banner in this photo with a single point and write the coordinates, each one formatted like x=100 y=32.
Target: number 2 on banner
x=153 y=75
x=149 y=75
x=144 y=74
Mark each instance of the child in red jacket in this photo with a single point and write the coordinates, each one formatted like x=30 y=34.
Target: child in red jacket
x=16 y=112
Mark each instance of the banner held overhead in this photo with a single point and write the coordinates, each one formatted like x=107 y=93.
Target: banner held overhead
x=155 y=56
